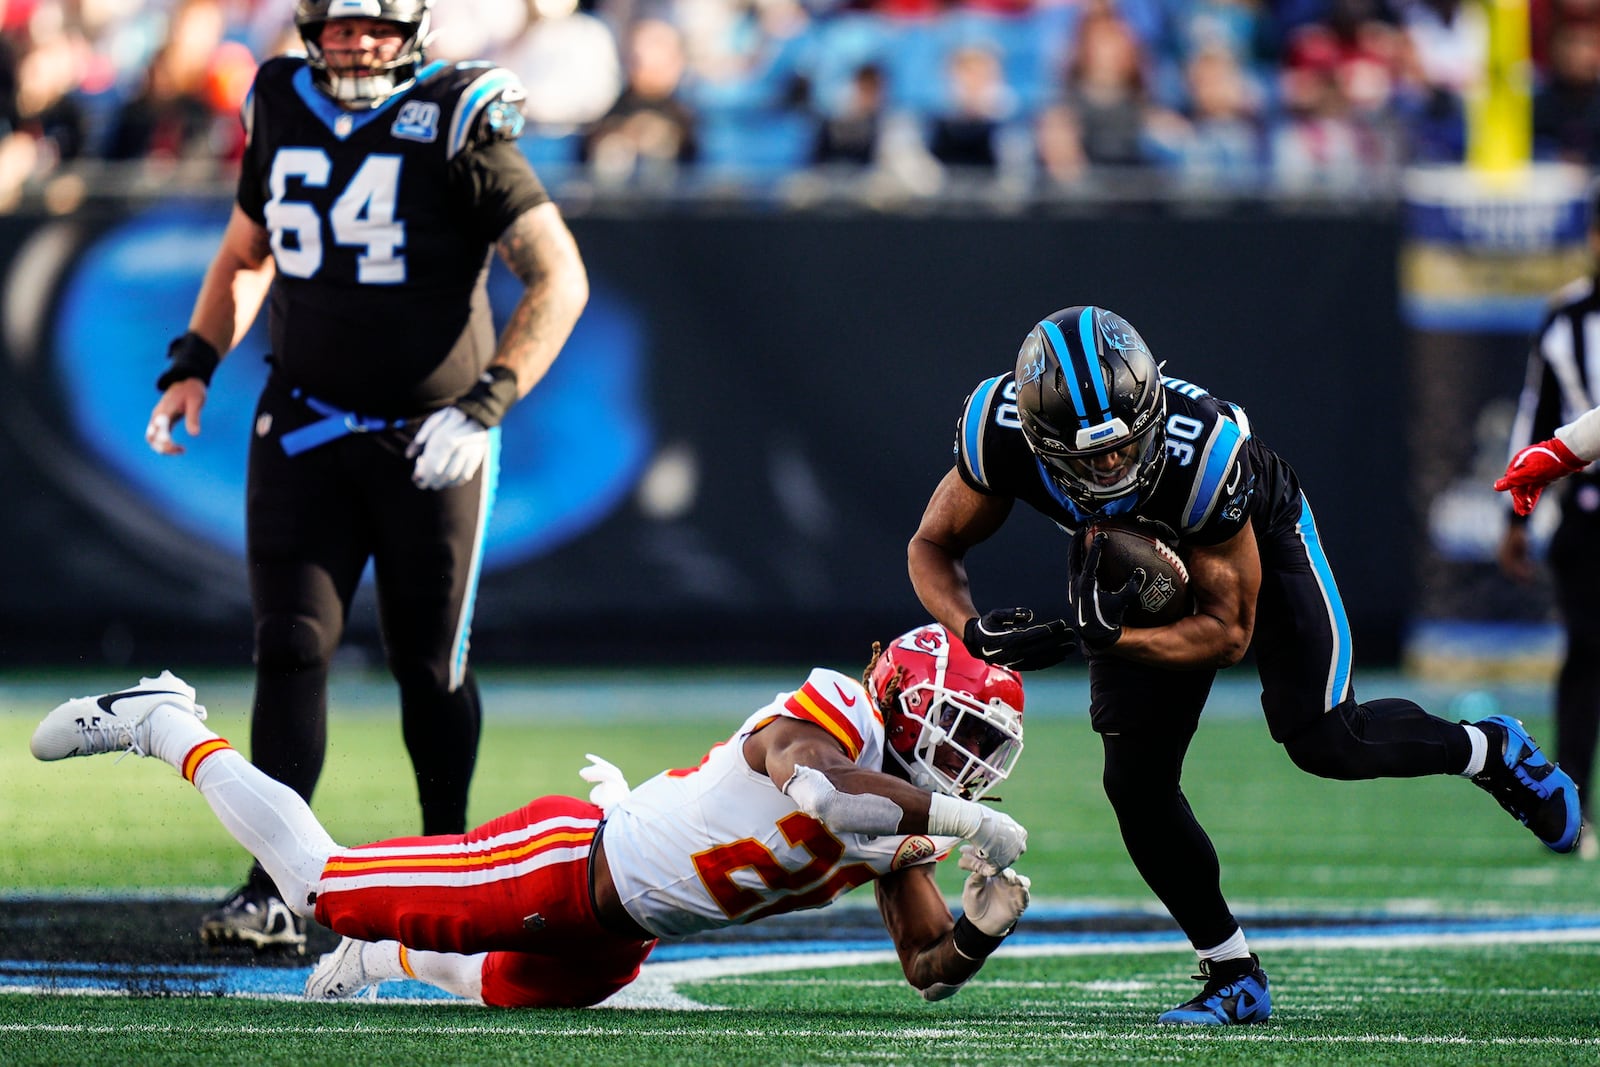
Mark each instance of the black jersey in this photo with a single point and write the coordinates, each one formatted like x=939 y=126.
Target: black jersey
x=1215 y=474
x=382 y=222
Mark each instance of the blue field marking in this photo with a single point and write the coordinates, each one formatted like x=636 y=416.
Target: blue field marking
x=235 y=980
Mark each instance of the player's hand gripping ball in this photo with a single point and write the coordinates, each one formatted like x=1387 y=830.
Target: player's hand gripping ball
x=1133 y=545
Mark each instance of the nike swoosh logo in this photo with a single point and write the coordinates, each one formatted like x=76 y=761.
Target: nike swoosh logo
x=848 y=698
x=109 y=699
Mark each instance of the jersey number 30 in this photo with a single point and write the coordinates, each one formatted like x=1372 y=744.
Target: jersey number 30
x=362 y=216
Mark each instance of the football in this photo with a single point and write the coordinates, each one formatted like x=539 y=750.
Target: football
x=1131 y=546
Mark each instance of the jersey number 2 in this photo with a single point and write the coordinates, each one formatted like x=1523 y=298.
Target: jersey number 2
x=362 y=216
x=811 y=885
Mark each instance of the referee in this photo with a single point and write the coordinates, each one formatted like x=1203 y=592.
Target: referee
x=1563 y=381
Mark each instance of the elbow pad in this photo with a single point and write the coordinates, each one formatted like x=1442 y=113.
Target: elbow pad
x=849 y=813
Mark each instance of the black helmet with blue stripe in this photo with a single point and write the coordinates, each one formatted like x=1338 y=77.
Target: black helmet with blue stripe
x=1091 y=405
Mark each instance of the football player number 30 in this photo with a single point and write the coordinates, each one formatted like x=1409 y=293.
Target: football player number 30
x=362 y=216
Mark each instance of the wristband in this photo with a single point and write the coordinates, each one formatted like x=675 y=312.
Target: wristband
x=972 y=943
x=953 y=817
x=190 y=356
x=491 y=396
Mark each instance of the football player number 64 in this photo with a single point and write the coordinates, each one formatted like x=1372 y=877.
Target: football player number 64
x=362 y=216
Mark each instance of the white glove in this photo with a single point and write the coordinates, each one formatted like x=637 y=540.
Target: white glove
x=993 y=898
x=1000 y=838
x=449 y=448
x=610 y=787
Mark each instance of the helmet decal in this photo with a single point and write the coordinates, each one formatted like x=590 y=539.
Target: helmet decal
x=952 y=722
x=1118 y=333
x=1091 y=406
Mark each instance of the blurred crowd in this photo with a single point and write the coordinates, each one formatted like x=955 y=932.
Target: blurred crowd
x=1298 y=94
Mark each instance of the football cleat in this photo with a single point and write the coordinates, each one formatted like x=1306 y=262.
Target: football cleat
x=340 y=974
x=1236 y=992
x=257 y=917
x=112 y=722
x=1537 y=793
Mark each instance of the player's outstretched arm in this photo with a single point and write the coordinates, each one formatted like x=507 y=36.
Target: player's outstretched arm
x=1225 y=580
x=957 y=518
x=939 y=952
x=807 y=763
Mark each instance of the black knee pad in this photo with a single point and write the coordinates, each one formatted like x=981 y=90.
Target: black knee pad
x=291 y=642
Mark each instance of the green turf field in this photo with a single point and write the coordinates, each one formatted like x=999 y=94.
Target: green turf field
x=1289 y=843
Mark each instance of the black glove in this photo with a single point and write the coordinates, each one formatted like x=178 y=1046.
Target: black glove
x=1010 y=637
x=1096 y=612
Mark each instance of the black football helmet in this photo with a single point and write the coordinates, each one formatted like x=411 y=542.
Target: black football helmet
x=384 y=82
x=1091 y=405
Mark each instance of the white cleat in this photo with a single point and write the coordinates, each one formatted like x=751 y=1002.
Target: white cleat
x=113 y=722
x=340 y=974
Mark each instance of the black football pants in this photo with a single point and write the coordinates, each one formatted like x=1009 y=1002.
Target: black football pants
x=314 y=521
x=1576 y=568
x=1147 y=716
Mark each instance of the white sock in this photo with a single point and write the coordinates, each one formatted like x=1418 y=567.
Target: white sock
x=174 y=732
x=450 y=971
x=269 y=819
x=1235 y=948
x=1480 y=751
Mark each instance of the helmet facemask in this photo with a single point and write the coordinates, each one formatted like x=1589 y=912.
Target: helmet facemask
x=964 y=748
x=364 y=86
x=952 y=722
x=1091 y=406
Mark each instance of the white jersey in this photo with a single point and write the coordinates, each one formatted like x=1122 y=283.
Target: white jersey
x=719 y=844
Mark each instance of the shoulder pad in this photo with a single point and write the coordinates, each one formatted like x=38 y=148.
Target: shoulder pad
x=970 y=429
x=1221 y=474
x=839 y=705
x=278 y=69
x=489 y=107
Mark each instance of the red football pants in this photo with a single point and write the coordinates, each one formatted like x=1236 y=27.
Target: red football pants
x=516 y=887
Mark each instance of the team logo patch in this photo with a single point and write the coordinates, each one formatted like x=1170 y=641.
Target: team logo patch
x=418 y=121
x=914 y=849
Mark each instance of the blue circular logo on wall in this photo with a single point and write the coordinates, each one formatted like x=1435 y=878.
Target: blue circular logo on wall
x=571 y=449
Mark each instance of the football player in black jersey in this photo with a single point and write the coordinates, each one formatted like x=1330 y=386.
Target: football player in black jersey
x=373 y=189
x=1087 y=426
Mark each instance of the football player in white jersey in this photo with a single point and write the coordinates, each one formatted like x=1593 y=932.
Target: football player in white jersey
x=558 y=903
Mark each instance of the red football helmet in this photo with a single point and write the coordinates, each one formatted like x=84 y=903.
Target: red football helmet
x=953 y=721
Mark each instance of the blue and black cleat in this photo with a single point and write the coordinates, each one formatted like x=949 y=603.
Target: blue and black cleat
x=1236 y=992
x=1537 y=792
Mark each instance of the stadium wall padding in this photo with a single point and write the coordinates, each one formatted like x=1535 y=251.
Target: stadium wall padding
x=730 y=457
